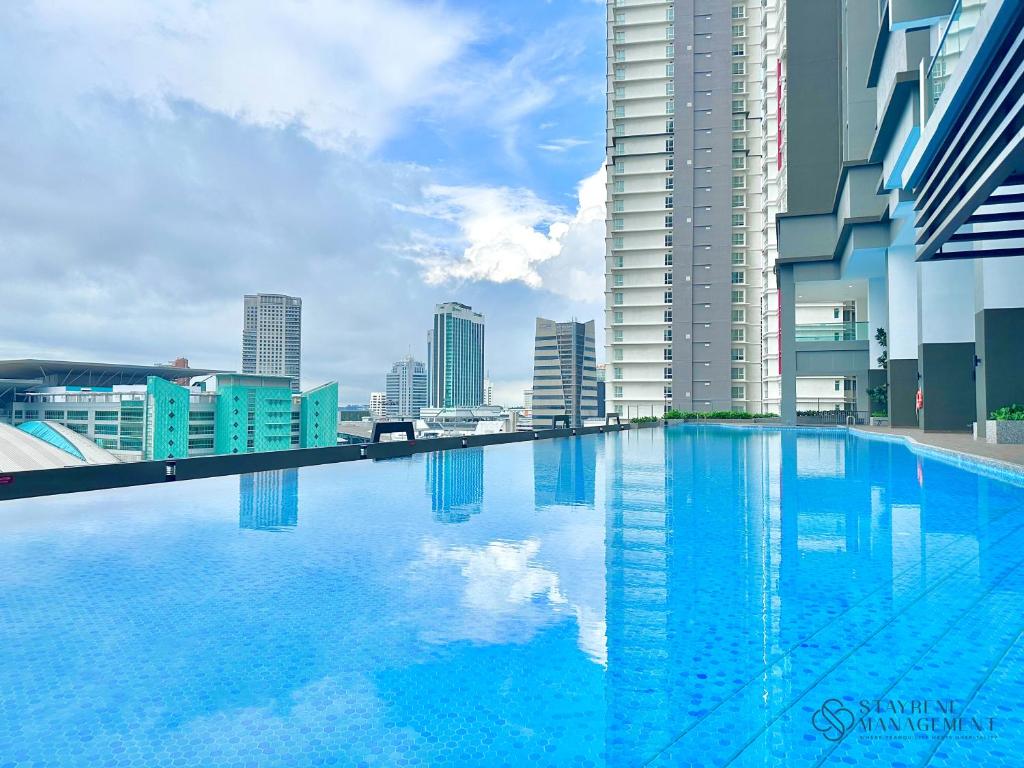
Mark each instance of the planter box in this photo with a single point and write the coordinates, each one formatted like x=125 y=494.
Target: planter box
x=1004 y=432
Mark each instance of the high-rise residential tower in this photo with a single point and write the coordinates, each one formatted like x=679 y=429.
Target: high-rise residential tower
x=406 y=389
x=455 y=352
x=564 y=373
x=272 y=336
x=378 y=404
x=685 y=209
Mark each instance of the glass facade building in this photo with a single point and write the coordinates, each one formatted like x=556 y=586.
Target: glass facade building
x=455 y=349
x=406 y=389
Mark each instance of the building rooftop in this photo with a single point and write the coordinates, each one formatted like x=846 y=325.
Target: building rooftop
x=69 y=373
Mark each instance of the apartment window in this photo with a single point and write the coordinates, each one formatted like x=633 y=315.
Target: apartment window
x=620 y=147
x=616 y=372
x=670 y=107
x=739 y=68
x=618 y=205
x=738 y=374
x=616 y=317
x=620 y=167
x=617 y=261
x=739 y=201
x=670 y=14
x=739 y=162
x=739 y=182
x=739 y=334
x=739 y=219
x=667 y=335
x=620 y=37
x=668 y=222
x=739 y=238
x=620 y=73
x=739 y=124
x=668 y=315
x=668 y=372
x=670 y=70
x=668 y=241
x=670 y=163
x=670 y=126
x=668 y=392
x=670 y=33
x=739 y=49
x=617 y=390
x=618 y=297
x=739 y=297
x=620 y=185
x=739 y=393
x=668 y=278
x=835 y=313
x=668 y=297
x=618 y=281
x=620 y=92
x=739 y=87
x=620 y=111
x=670 y=182
x=668 y=259
x=618 y=224
x=670 y=51
x=738 y=278
x=666 y=353
x=618 y=241
x=737 y=354
x=620 y=18
x=739 y=144
x=620 y=55
x=739 y=30
x=738 y=12
x=617 y=335
x=838 y=385
x=739 y=105
x=739 y=315
x=739 y=258
x=617 y=354
x=670 y=88
x=668 y=201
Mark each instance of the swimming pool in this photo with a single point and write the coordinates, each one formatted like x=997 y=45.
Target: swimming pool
x=691 y=596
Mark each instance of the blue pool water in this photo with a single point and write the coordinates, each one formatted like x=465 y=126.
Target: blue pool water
x=692 y=596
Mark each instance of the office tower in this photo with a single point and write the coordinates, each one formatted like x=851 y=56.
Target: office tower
x=378 y=404
x=272 y=336
x=455 y=351
x=406 y=389
x=685 y=206
x=564 y=373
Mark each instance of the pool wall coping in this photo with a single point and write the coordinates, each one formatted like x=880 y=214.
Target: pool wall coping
x=95 y=477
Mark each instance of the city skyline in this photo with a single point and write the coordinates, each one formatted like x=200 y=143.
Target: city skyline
x=357 y=179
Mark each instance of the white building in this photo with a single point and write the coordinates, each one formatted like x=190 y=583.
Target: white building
x=378 y=404
x=272 y=336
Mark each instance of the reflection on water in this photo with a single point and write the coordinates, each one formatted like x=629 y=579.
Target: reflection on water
x=564 y=472
x=269 y=501
x=455 y=484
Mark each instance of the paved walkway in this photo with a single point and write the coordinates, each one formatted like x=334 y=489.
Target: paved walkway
x=957 y=441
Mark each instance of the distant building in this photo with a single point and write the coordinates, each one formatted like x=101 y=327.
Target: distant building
x=455 y=352
x=488 y=392
x=564 y=373
x=378 y=404
x=272 y=336
x=601 y=391
x=148 y=416
x=406 y=389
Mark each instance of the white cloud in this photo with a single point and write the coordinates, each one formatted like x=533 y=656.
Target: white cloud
x=512 y=235
x=562 y=145
x=345 y=72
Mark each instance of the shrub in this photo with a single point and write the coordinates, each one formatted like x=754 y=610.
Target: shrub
x=1009 y=413
x=644 y=419
x=719 y=415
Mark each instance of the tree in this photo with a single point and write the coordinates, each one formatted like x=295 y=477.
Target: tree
x=880 y=395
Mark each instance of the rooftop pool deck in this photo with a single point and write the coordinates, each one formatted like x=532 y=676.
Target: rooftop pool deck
x=698 y=595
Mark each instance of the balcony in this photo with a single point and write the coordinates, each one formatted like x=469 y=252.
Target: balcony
x=832 y=332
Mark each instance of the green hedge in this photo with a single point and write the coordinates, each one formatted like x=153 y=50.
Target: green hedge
x=1009 y=413
x=719 y=415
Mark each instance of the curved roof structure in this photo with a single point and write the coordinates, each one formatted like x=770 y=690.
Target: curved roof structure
x=69 y=373
x=20 y=451
x=69 y=441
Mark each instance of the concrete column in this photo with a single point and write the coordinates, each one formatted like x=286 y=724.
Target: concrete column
x=877 y=316
x=787 y=336
x=999 y=335
x=946 y=349
x=903 y=335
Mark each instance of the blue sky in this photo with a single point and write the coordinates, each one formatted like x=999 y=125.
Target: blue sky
x=162 y=159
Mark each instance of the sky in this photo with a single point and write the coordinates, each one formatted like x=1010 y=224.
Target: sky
x=162 y=159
